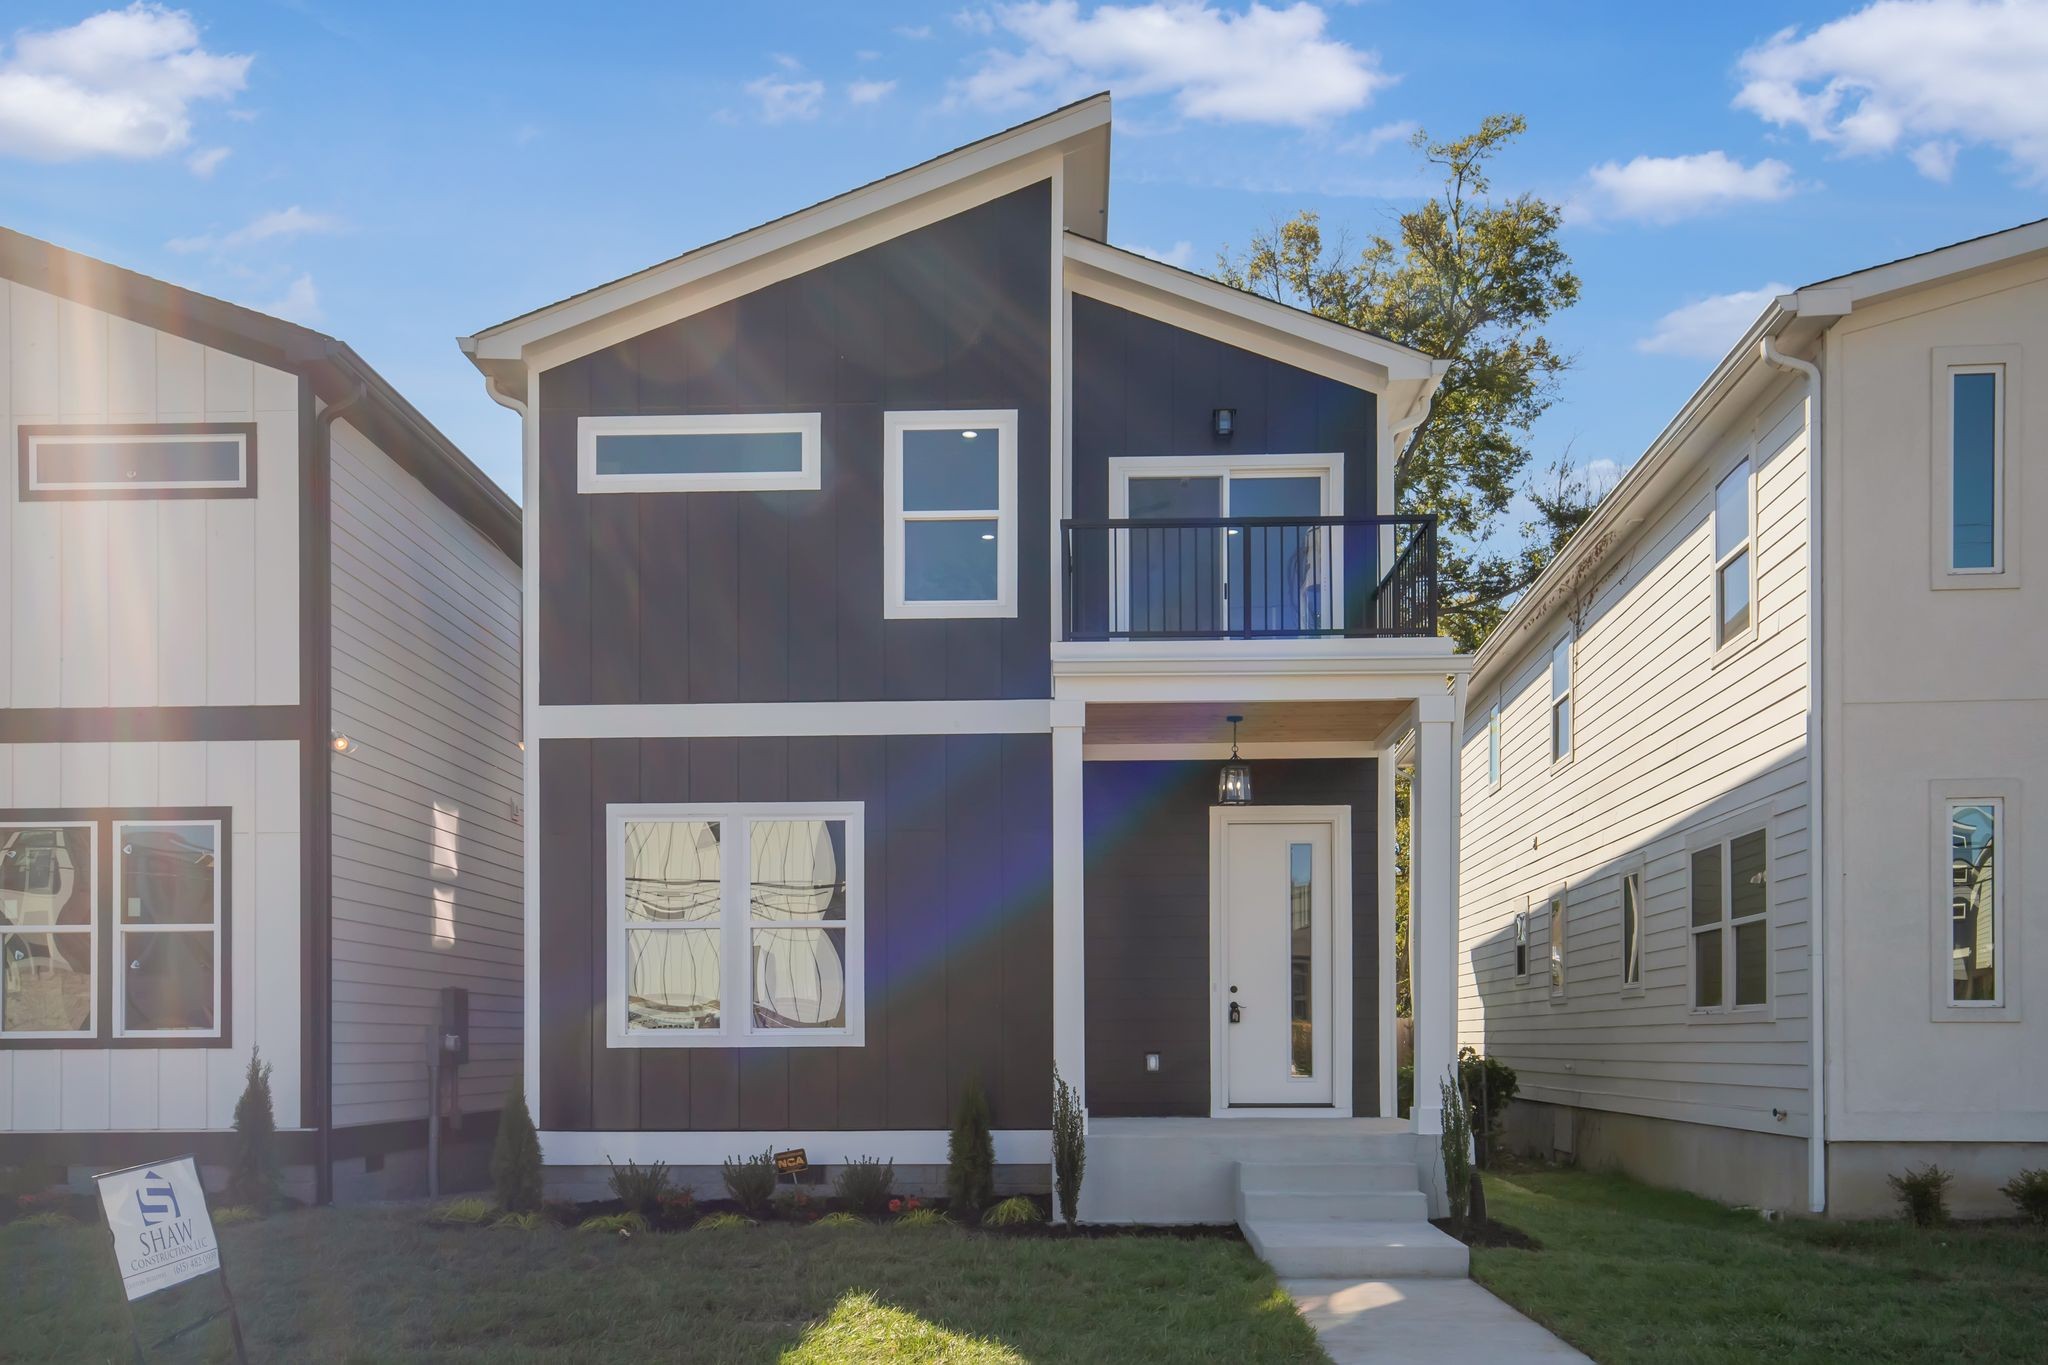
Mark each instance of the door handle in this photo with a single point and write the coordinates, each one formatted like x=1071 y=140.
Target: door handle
x=1236 y=1013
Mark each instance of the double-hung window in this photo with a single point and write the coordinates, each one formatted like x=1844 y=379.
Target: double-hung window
x=154 y=935
x=1731 y=959
x=1631 y=930
x=1734 y=610
x=138 y=460
x=949 y=537
x=736 y=925
x=1561 y=700
x=701 y=453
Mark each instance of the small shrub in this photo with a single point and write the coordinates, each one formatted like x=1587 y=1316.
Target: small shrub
x=1457 y=1146
x=839 y=1220
x=865 y=1184
x=1016 y=1211
x=625 y=1223
x=678 y=1206
x=721 y=1222
x=1069 y=1147
x=233 y=1214
x=640 y=1188
x=1923 y=1194
x=795 y=1205
x=252 y=1170
x=1404 y=1089
x=921 y=1218
x=906 y=1204
x=515 y=1158
x=463 y=1213
x=529 y=1221
x=2029 y=1194
x=971 y=1153
x=46 y=1219
x=19 y=1182
x=1490 y=1085
x=750 y=1180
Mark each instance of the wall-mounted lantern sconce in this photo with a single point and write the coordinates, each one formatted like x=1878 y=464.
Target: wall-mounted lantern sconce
x=342 y=744
x=1234 y=783
x=1224 y=421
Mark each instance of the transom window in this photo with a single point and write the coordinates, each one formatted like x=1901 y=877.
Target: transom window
x=1632 y=929
x=1976 y=468
x=682 y=453
x=162 y=925
x=1733 y=610
x=1561 y=700
x=736 y=925
x=1731 y=957
x=138 y=460
x=949 y=542
x=1976 y=906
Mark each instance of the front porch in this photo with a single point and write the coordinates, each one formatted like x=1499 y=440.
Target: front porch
x=1224 y=974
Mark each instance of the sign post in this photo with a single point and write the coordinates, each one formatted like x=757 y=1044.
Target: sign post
x=163 y=1235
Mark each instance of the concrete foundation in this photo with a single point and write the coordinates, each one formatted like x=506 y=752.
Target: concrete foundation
x=1731 y=1165
x=1857 y=1171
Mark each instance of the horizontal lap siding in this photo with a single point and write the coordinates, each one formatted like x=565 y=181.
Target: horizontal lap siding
x=777 y=596
x=958 y=915
x=1147 y=899
x=427 y=851
x=1668 y=742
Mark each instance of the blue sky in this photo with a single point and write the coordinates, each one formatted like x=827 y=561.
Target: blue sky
x=401 y=174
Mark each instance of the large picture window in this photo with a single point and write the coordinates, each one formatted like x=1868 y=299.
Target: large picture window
x=684 y=453
x=736 y=925
x=1731 y=957
x=113 y=928
x=949 y=537
x=138 y=460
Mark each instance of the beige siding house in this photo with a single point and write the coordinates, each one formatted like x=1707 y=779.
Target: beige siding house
x=1746 y=774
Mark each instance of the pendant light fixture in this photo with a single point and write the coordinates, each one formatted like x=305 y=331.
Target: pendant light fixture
x=1234 y=783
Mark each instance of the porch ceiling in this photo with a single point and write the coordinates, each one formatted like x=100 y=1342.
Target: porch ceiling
x=1265 y=722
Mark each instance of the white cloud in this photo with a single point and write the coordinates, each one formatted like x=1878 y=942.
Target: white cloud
x=1664 y=189
x=203 y=164
x=1927 y=75
x=299 y=303
x=277 y=225
x=119 y=83
x=782 y=101
x=1181 y=254
x=916 y=33
x=1706 y=328
x=868 y=92
x=1261 y=65
x=1603 y=473
x=1370 y=141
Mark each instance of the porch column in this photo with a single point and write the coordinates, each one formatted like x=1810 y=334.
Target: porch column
x=1069 y=958
x=1433 y=905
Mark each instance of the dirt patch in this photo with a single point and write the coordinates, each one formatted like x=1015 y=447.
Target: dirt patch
x=1486 y=1233
x=681 y=1215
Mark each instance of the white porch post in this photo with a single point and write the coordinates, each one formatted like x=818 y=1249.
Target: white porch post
x=1433 y=905
x=1069 y=960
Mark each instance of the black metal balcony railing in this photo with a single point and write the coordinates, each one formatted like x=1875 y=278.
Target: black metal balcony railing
x=1217 y=578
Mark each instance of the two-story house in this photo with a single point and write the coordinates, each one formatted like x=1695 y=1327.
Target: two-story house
x=259 y=728
x=957 y=646
x=1753 y=773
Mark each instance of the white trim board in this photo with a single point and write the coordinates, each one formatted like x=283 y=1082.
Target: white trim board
x=720 y=720
x=826 y=1147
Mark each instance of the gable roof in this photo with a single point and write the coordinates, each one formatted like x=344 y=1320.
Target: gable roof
x=1079 y=130
x=1794 y=322
x=334 y=370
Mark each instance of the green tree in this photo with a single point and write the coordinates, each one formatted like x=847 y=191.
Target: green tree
x=252 y=1173
x=1471 y=280
x=971 y=1154
x=515 y=1159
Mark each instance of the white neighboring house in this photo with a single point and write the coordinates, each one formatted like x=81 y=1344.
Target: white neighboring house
x=1754 y=773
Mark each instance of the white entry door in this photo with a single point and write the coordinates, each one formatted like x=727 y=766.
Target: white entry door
x=1275 y=984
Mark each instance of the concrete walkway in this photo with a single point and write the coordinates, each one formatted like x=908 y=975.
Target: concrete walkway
x=1421 y=1320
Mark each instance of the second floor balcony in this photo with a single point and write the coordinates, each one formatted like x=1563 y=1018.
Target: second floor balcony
x=1249 y=578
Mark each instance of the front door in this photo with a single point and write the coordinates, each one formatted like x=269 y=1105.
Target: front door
x=1275 y=988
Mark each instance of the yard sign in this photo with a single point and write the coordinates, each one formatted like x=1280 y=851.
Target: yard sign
x=163 y=1234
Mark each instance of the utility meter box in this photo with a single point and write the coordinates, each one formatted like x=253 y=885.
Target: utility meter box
x=454 y=1034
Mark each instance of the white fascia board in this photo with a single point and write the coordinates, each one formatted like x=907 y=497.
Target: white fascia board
x=725 y=720
x=1183 y=299
x=824 y=1147
x=1029 y=142
x=1943 y=263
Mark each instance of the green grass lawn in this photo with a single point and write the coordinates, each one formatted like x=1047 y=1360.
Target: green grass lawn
x=1629 y=1273
x=376 y=1284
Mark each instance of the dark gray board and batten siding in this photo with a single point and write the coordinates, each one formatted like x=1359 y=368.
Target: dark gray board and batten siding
x=958 y=915
x=1147 y=934
x=774 y=597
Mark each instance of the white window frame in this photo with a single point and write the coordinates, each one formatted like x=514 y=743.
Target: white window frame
x=1567 y=699
x=35 y=440
x=736 y=925
x=2007 y=529
x=1746 y=467
x=1631 y=881
x=90 y=931
x=2004 y=796
x=1557 y=927
x=896 y=604
x=1493 y=756
x=120 y=929
x=1724 y=836
x=807 y=425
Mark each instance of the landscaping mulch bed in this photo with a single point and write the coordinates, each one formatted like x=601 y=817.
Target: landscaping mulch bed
x=681 y=1216
x=1485 y=1232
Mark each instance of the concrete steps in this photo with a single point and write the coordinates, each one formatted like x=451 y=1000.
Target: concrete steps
x=1357 y=1251
x=1322 y=1219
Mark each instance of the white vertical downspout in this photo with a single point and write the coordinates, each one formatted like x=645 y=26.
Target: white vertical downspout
x=1816 y=769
